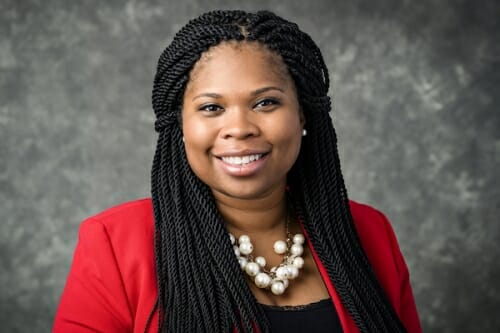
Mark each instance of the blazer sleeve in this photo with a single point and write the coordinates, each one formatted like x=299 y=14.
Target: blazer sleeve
x=407 y=309
x=94 y=298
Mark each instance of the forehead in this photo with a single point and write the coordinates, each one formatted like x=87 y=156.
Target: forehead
x=231 y=61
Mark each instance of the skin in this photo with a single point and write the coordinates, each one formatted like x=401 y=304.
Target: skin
x=240 y=100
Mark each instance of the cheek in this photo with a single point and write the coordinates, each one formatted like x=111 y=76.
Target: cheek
x=294 y=147
x=289 y=139
x=196 y=133
x=198 y=139
x=295 y=139
x=197 y=158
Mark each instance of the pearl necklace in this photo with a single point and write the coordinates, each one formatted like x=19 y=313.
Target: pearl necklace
x=276 y=278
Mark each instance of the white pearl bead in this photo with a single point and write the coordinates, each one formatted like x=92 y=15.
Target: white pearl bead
x=261 y=261
x=298 y=262
x=231 y=237
x=293 y=272
x=236 y=250
x=252 y=269
x=277 y=288
x=243 y=262
x=296 y=250
x=285 y=283
x=280 y=247
x=244 y=239
x=262 y=280
x=246 y=248
x=282 y=273
x=298 y=239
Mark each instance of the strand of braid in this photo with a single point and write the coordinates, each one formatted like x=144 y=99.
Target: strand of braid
x=200 y=284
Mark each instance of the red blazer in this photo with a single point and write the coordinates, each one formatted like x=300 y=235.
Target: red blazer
x=111 y=286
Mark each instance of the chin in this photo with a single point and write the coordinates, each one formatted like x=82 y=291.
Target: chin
x=243 y=193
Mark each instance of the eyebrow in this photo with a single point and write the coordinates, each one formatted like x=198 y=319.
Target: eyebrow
x=253 y=93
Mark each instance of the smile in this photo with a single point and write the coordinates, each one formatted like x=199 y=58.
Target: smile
x=241 y=160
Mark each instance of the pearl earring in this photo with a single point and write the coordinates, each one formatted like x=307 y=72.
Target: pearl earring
x=304 y=132
x=183 y=140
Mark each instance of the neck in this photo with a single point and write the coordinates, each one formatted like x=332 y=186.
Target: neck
x=253 y=216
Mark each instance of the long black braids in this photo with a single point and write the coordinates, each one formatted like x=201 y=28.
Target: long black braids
x=200 y=284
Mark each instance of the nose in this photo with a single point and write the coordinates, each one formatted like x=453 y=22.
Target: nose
x=239 y=124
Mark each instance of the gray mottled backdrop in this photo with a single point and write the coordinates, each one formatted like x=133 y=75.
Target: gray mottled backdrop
x=416 y=88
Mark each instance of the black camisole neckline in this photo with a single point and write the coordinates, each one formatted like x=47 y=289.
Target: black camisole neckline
x=316 y=317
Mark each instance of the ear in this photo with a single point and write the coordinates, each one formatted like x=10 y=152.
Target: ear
x=302 y=117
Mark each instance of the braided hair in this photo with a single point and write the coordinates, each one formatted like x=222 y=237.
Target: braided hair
x=200 y=284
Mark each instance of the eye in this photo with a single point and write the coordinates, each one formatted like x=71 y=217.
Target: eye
x=210 y=108
x=267 y=103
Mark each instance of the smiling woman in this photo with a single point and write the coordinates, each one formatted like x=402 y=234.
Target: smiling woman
x=249 y=228
x=236 y=110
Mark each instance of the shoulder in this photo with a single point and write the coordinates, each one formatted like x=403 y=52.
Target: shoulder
x=363 y=212
x=126 y=232
x=381 y=247
x=127 y=228
x=371 y=224
x=124 y=222
x=374 y=229
x=126 y=212
x=111 y=286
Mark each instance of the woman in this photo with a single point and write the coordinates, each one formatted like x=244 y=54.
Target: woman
x=249 y=227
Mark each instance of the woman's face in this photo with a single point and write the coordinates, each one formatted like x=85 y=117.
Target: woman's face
x=241 y=121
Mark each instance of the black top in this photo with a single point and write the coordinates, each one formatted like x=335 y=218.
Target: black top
x=318 y=317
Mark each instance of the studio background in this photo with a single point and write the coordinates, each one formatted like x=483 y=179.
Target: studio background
x=415 y=87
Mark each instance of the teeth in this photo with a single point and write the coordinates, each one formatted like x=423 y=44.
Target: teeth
x=239 y=160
